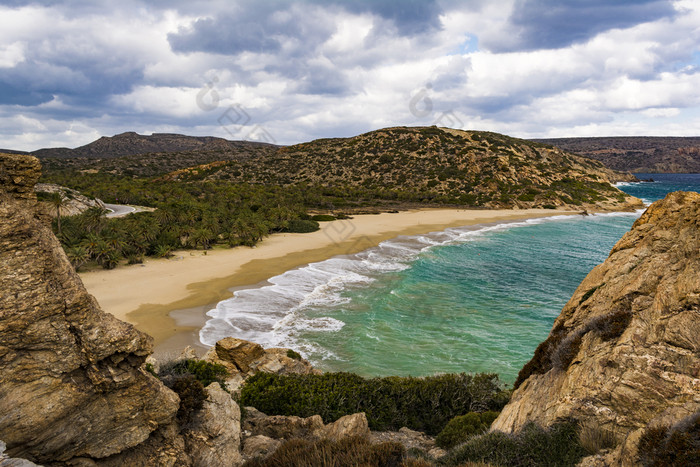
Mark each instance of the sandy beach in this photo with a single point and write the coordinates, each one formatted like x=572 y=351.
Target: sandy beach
x=192 y=281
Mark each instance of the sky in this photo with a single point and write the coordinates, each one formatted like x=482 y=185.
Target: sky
x=287 y=72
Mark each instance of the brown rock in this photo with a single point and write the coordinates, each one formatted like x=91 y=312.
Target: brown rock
x=73 y=382
x=280 y=426
x=214 y=439
x=239 y=353
x=243 y=359
x=18 y=175
x=345 y=427
x=259 y=446
x=624 y=352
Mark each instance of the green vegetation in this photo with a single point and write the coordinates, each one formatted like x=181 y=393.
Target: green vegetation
x=677 y=445
x=423 y=404
x=205 y=372
x=230 y=198
x=463 y=427
x=192 y=397
x=345 y=452
x=323 y=218
x=293 y=355
x=533 y=446
x=301 y=226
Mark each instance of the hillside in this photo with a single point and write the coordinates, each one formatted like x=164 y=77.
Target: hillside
x=637 y=154
x=131 y=143
x=623 y=355
x=433 y=165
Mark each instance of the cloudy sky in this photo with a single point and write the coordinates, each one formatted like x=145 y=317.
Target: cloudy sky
x=286 y=72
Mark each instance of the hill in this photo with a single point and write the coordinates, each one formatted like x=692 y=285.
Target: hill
x=131 y=143
x=637 y=154
x=432 y=165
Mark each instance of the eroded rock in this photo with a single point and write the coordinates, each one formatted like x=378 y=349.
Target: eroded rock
x=73 y=382
x=243 y=359
x=624 y=353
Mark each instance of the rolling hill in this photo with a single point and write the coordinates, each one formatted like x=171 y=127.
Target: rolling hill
x=432 y=165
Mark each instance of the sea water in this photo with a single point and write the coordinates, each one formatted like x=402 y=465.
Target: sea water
x=470 y=299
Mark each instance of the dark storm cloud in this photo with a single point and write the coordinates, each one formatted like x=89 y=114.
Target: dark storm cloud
x=551 y=24
x=409 y=16
x=266 y=27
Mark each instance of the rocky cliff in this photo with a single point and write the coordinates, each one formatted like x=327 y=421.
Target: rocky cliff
x=72 y=382
x=624 y=353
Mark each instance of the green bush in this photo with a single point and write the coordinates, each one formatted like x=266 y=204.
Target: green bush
x=532 y=446
x=192 y=397
x=302 y=226
x=463 y=427
x=678 y=445
x=293 y=355
x=205 y=372
x=423 y=404
x=323 y=218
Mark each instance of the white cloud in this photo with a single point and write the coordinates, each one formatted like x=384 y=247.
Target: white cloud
x=111 y=67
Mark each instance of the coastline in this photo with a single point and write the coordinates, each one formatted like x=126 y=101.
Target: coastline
x=194 y=281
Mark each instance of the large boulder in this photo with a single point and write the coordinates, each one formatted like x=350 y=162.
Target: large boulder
x=624 y=353
x=72 y=381
x=243 y=359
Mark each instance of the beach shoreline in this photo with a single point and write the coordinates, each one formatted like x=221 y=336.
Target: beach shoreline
x=192 y=282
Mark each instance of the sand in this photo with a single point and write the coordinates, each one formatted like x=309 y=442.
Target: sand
x=192 y=281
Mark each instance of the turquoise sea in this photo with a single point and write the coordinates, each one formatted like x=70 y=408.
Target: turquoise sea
x=472 y=299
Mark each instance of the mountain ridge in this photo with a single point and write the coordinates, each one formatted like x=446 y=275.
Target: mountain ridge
x=131 y=143
x=637 y=154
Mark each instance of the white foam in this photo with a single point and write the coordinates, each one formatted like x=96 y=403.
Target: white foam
x=277 y=313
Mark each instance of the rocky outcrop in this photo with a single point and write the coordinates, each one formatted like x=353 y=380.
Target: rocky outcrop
x=243 y=359
x=74 y=202
x=211 y=439
x=265 y=433
x=7 y=461
x=73 y=382
x=624 y=353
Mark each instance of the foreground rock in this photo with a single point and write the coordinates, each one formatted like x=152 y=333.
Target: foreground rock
x=265 y=433
x=72 y=382
x=624 y=353
x=243 y=359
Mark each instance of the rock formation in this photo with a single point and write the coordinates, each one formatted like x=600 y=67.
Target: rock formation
x=74 y=204
x=243 y=358
x=624 y=353
x=72 y=382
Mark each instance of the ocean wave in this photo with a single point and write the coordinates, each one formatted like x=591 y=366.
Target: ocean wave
x=276 y=314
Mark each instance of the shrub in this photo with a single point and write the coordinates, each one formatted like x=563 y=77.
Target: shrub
x=348 y=451
x=323 y=218
x=192 y=397
x=612 y=325
x=532 y=446
x=294 y=355
x=423 y=404
x=463 y=427
x=302 y=226
x=151 y=369
x=678 y=445
x=205 y=372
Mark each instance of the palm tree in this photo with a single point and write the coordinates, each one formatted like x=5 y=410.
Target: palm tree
x=78 y=256
x=58 y=201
